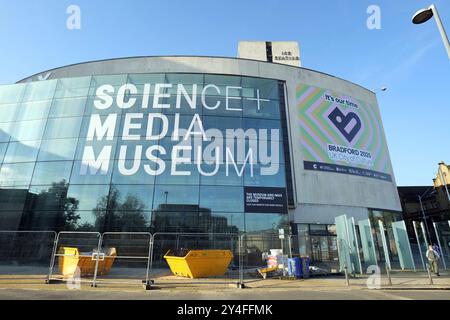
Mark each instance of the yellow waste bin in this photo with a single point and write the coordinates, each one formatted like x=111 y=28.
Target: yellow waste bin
x=70 y=259
x=200 y=263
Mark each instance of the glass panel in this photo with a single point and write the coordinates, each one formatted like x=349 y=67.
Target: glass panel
x=51 y=197
x=10 y=220
x=262 y=124
x=72 y=87
x=89 y=197
x=40 y=90
x=67 y=107
x=368 y=245
x=220 y=80
x=87 y=122
x=266 y=109
x=8 y=112
x=46 y=173
x=90 y=173
x=344 y=244
x=265 y=222
x=34 y=110
x=100 y=148
x=18 y=174
x=5 y=131
x=12 y=93
x=268 y=89
x=185 y=106
x=140 y=79
x=57 y=149
x=22 y=151
x=126 y=221
x=140 y=177
x=217 y=106
x=403 y=246
x=115 y=80
x=169 y=177
x=28 y=130
x=91 y=109
x=222 y=199
x=276 y=180
x=12 y=199
x=220 y=178
x=175 y=198
x=222 y=124
x=3 y=147
x=63 y=128
x=131 y=198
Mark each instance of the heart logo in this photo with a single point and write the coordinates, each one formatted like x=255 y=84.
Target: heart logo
x=349 y=125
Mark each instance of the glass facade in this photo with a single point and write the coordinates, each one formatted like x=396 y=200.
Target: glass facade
x=67 y=162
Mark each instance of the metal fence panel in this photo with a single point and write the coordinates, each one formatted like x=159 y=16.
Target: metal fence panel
x=126 y=258
x=260 y=251
x=69 y=266
x=25 y=254
x=179 y=244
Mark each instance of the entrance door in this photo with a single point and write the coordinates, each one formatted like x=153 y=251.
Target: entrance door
x=323 y=248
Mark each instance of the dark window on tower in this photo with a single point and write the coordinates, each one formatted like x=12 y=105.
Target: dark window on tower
x=287 y=155
x=269 y=51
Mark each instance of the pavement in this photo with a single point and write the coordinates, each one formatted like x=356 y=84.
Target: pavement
x=404 y=286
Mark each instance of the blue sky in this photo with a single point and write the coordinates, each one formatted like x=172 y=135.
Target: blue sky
x=410 y=60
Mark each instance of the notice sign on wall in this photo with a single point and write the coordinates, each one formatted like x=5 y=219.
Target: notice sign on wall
x=265 y=200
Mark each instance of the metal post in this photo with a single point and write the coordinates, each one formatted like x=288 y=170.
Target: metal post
x=357 y=245
x=441 y=29
x=424 y=231
x=241 y=270
x=388 y=273
x=52 y=259
x=290 y=246
x=418 y=244
x=94 y=284
x=427 y=235
x=346 y=275
x=440 y=246
x=150 y=250
x=384 y=242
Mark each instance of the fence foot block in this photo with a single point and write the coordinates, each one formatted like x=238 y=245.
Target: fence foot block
x=148 y=285
x=51 y=281
x=241 y=286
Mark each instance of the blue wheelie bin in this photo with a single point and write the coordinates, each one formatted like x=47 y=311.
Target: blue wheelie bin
x=295 y=267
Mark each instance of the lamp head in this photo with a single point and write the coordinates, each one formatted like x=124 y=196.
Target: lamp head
x=422 y=16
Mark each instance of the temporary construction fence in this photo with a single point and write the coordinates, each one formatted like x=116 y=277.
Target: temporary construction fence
x=175 y=247
x=75 y=257
x=127 y=256
x=25 y=254
x=140 y=258
x=260 y=251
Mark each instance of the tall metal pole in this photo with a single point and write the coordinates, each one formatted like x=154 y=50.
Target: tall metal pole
x=418 y=244
x=424 y=219
x=441 y=29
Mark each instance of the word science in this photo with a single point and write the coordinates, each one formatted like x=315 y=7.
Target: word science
x=173 y=128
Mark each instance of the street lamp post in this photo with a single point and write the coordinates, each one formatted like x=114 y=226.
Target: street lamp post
x=420 y=197
x=424 y=217
x=424 y=15
x=379 y=89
